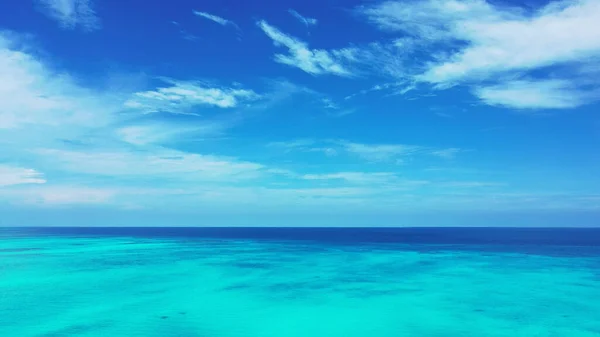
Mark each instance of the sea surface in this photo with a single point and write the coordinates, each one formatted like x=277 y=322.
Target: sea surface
x=309 y=282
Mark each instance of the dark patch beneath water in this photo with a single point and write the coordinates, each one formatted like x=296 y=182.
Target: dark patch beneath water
x=77 y=329
x=18 y=250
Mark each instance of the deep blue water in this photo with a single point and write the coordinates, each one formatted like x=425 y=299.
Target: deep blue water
x=547 y=241
x=429 y=235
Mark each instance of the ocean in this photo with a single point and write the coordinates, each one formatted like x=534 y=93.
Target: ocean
x=292 y=282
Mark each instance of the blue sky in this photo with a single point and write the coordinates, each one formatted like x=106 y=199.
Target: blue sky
x=296 y=113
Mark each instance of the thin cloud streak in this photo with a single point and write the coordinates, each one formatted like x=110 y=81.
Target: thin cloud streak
x=12 y=175
x=72 y=14
x=181 y=96
x=217 y=19
x=305 y=20
x=527 y=94
x=312 y=61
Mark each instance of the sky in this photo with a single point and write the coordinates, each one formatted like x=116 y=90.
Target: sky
x=300 y=113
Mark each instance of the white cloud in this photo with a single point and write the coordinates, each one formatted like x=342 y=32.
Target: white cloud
x=72 y=14
x=12 y=175
x=329 y=104
x=267 y=198
x=370 y=152
x=305 y=20
x=312 y=61
x=333 y=192
x=470 y=184
x=41 y=107
x=190 y=196
x=140 y=134
x=38 y=95
x=395 y=152
x=484 y=41
x=184 y=33
x=396 y=88
x=292 y=144
x=522 y=94
x=429 y=19
x=447 y=153
x=380 y=152
x=156 y=133
x=379 y=58
x=355 y=177
x=328 y=151
x=557 y=33
x=293 y=196
x=381 y=183
x=72 y=195
x=305 y=145
x=157 y=163
x=217 y=19
x=335 y=110
x=67 y=195
x=385 y=59
x=180 y=97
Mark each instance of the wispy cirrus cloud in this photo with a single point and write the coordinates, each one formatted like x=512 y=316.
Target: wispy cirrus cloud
x=41 y=105
x=395 y=88
x=382 y=59
x=13 y=175
x=72 y=14
x=180 y=96
x=61 y=195
x=533 y=94
x=449 y=153
x=294 y=144
x=157 y=133
x=186 y=35
x=306 y=145
x=156 y=162
x=336 y=110
x=355 y=177
x=99 y=152
x=500 y=44
x=391 y=181
x=94 y=150
x=216 y=19
x=312 y=61
x=86 y=136
x=38 y=95
x=380 y=152
x=303 y=19
x=470 y=184
x=371 y=152
x=381 y=183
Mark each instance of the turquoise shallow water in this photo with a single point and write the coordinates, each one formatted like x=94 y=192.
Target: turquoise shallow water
x=66 y=285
